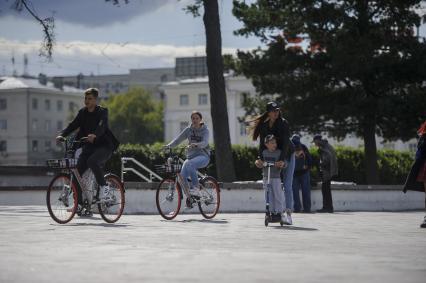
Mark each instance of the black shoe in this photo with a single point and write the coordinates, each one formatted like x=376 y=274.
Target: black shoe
x=307 y=211
x=423 y=225
x=296 y=211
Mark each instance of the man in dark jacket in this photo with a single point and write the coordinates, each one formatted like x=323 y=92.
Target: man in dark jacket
x=92 y=122
x=328 y=169
x=301 y=179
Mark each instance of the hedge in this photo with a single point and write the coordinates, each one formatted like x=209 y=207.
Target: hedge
x=393 y=165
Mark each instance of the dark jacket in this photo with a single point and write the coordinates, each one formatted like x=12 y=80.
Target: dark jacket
x=281 y=131
x=96 y=123
x=328 y=160
x=304 y=160
x=411 y=182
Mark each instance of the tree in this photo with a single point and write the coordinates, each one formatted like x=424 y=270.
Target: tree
x=219 y=110
x=362 y=72
x=134 y=117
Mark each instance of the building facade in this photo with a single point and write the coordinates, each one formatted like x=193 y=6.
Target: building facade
x=31 y=115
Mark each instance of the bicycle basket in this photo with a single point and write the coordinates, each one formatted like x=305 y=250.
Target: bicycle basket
x=168 y=168
x=64 y=163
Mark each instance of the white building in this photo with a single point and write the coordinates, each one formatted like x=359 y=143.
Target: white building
x=31 y=115
x=183 y=96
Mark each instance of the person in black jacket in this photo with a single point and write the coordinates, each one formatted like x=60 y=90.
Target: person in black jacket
x=302 y=178
x=272 y=123
x=92 y=122
x=416 y=179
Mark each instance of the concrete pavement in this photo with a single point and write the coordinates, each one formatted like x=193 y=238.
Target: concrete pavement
x=341 y=247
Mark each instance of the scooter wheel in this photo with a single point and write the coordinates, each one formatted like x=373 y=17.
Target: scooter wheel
x=266 y=221
x=281 y=223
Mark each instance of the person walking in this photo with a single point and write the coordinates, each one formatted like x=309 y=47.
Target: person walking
x=328 y=169
x=416 y=179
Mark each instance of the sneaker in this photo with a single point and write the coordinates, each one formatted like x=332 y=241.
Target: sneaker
x=423 y=225
x=284 y=218
x=106 y=193
x=289 y=219
x=194 y=191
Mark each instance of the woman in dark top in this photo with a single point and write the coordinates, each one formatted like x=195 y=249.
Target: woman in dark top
x=272 y=123
x=416 y=180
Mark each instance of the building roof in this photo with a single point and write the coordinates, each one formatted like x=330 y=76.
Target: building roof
x=26 y=83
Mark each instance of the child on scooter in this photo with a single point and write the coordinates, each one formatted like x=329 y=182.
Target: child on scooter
x=276 y=194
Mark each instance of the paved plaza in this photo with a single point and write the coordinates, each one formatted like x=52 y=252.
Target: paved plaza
x=340 y=247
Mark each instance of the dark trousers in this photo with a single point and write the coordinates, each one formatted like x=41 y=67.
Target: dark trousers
x=94 y=158
x=302 y=182
x=327 y=200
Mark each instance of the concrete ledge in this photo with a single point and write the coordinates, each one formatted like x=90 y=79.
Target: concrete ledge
x=245 y=197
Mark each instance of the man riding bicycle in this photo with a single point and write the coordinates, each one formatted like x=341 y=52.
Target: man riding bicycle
x=92 y=122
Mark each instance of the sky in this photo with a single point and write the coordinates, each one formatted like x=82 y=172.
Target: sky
x=97 y=37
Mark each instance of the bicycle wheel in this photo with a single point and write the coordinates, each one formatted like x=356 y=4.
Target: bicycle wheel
x=210 y=197
x=112 y=210
x=168 y=198
x=61 y=199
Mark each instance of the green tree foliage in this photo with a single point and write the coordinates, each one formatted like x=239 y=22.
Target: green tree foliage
x=360 y=68
x=135 y=117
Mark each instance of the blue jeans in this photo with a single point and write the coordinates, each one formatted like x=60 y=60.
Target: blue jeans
x=303 y=182
x=288 y=182
x=190 y=166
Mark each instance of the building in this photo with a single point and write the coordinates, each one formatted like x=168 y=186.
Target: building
x=109 y=85
x=31 y=115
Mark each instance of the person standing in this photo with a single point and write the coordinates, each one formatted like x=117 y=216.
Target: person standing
x=271 y=122
x=301 y=179
x=416 y=179
x=328 y=169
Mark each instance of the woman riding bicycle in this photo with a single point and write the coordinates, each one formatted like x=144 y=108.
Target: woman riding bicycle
x=198 y=153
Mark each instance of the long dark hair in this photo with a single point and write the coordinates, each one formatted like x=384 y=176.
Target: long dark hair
x=257 y=124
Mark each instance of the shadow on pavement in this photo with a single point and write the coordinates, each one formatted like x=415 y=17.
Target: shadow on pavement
x=210 y=221
x=112 y=225
x=286 y=227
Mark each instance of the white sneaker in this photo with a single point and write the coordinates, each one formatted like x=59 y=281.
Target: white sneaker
x=106 y=193
x=284 y=218
x=194 y=191
x=288 y=217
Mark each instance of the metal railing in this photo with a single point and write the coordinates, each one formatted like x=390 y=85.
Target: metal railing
x=148 y=175
x=124 y=169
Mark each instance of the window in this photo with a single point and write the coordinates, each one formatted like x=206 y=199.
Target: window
x=34 y=124
x=3 y=124
x=47 y=105
x=47 y=126
x=202 y=99
x=34 y=146
x=3 y=146
x=34 y=103
x=243 y=129
x=59 y=105
x=183 y=125
x=59 y=126
x=184 y=99
x=48 y=146
x=3 y=104
x=71 y=106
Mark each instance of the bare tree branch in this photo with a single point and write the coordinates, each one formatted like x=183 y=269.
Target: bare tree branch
x=48 y=25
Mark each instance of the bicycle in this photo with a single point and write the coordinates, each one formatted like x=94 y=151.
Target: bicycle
x=172 y=189
x=61 y=195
